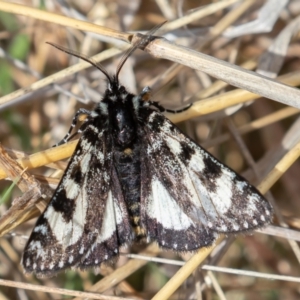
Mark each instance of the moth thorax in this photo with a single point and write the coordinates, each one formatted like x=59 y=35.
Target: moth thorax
x=124 y=127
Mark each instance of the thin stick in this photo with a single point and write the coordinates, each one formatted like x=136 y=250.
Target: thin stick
x=279 y=169
x=251 y=273
x=255 y=125
x=43 y=15
x=45 y=157
x=231 y=98
x=196 y=15
x=48 y=289
x=183 y=273
x=232 y=74
x=123 y=272
x=57 y=76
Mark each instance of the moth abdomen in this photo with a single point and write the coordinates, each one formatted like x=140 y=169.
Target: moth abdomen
x=127 y=163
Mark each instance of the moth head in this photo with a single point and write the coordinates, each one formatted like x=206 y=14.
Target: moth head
x=115 y=90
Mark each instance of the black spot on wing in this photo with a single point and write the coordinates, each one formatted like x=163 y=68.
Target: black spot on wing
x=90 y=135
x=92 y=129
x=212 y=168
x=63 y=205
x=187 y=151
x=76 y=174
x=211 y=172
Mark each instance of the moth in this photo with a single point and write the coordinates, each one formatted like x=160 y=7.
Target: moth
x=135 y=176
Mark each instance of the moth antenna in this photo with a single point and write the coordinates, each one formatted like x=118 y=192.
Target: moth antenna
x=142 y=43
x=83 y=57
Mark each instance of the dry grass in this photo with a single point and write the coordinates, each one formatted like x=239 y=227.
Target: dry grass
x=247 y=120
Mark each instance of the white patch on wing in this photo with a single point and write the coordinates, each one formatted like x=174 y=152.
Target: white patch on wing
x=85 y=144
x=68 y=233
x=173 y=144
x=100 y=156
x=162 y=207
x=119 y=212
x=72 y=188
x=236 y=227
x=110 y=219
x=85 y=162
x=155 y=146
x=151 y=118
x=240 y=185
x=42 y=229
x=222 y=197
x=251 y=203
x=94 y=129
x=36 y=246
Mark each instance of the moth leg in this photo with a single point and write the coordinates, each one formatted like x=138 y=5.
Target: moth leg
x=162 y=109
x=68 y=136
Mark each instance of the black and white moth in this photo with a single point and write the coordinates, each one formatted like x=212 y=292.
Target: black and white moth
x=135 y=176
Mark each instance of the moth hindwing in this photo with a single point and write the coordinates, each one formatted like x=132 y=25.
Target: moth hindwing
x=134 y=175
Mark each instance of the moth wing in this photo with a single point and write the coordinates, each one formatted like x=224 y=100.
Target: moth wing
x=187 y=195
x=86 y=220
